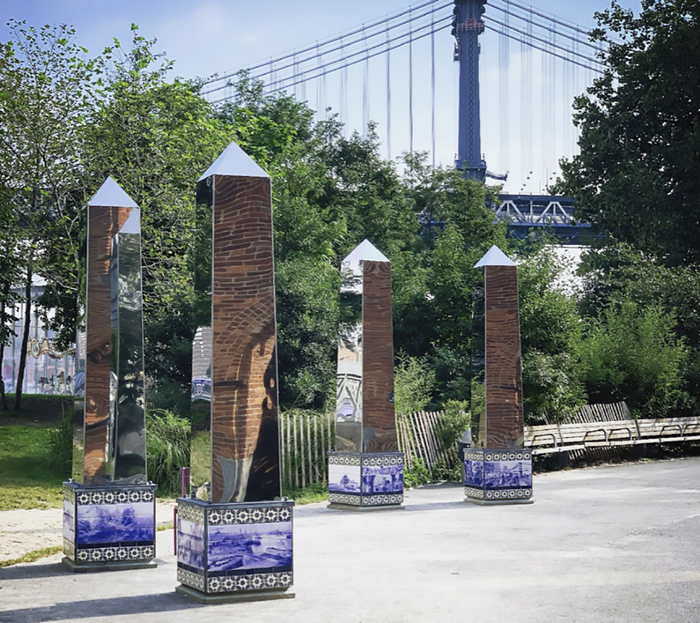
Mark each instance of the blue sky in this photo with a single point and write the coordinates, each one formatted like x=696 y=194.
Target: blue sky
x=205 y=37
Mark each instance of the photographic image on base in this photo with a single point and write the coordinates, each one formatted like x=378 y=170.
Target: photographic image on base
x=247 y=547
x=190 y=543
x=69 y=520
x=344 y=478
x=382 y=479
x=115 y=523
x=474 y=473
x=508 y=474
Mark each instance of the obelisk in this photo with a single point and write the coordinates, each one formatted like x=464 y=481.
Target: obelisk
x=109 y=518
x=235 y=311
x=366 y=469
x=498 y=469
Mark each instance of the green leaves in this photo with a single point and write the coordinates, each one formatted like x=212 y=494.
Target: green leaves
x=636 y=174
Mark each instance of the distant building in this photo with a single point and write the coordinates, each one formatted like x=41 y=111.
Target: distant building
x=48 y=371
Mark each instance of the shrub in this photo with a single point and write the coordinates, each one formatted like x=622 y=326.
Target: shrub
x=418 y=475
x=414 y=382
x=168 y=448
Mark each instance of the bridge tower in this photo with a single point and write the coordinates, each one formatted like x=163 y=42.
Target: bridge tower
x=467 y=25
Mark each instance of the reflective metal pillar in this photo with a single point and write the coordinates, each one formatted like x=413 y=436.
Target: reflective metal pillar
x=235 y=385
x=498 y=469
x=366 y=470
x=109 y=518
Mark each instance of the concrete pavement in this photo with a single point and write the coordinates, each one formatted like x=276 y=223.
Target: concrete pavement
x=618 y=543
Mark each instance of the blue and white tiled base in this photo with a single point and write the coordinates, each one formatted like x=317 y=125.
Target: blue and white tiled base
x=234 y=550
x=108 y=526
x=365 y=480
x=498 y=476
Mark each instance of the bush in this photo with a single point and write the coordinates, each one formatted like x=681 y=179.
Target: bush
x=454 y=422
x=414 y=382
x=634 y=355
x=418 y=475
x=168 y=449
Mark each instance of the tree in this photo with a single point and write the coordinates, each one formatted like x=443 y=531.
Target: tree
x=10 y=275
x=550 y=337
x=618 y=273
x=156 y=137
x=637 y=174
x=46 y=93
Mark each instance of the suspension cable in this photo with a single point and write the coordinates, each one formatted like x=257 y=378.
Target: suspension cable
x=551 y=18
x=529 y=35
x=275 y=86
x=532 y=45
x=340 y=37
x=538 y=24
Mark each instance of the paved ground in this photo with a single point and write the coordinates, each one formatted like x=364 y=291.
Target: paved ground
x=618 y=544
x=23 y=531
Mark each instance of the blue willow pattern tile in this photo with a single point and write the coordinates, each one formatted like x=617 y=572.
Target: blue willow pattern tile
x=249 y=546
x=115 y=523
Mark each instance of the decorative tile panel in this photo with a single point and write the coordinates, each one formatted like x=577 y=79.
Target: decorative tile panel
x=109 y=524
x=366 y=479
x=341 y=498
x=249 y=582
x=235 y=547
x=498 y=475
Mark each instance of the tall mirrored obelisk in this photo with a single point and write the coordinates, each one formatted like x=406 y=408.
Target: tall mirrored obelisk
x=109 y=518
x=366 y=469
x=498 y=470
x=238 y=543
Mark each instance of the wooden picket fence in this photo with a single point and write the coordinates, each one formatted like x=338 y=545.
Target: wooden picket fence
x=419 y=439
x=307 y=437
x=305 y=440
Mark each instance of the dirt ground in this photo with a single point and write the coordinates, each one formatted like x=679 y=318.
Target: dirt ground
x=23 y=531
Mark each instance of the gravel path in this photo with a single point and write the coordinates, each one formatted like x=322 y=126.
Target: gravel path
x=23 y=531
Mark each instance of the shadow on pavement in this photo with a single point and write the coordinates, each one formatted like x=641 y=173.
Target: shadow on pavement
x=117 y=606
x=33 y=571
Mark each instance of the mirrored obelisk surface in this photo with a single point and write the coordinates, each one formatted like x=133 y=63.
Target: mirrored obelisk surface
x=239 y=540
x=109 y=518
x=497 y=469
x=366 y=469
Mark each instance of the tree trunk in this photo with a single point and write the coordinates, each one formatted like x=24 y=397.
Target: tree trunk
x=25 y=339
x=2 y=357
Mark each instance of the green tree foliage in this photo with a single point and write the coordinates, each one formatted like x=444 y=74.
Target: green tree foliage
x=637 y=171
x=156 y=137
x=46 y=94
x=633 y=354
x=414 y=383
x=618 y=273
x=551 y=334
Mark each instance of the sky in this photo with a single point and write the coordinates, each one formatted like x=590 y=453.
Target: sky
x=205 y=37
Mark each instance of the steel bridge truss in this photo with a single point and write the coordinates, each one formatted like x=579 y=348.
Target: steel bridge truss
x=531 y=214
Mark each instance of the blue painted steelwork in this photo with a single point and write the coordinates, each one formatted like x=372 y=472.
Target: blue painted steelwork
x=532 y=214
x=467 y=25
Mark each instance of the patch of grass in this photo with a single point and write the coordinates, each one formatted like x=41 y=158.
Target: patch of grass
x=200 y=458
x=26 y=478
x=41 y=407
x=308 y=495
x=32 y=556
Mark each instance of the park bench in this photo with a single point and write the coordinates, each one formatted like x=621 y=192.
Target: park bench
x=551 y=438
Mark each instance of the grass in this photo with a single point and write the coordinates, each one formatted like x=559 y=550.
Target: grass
x=308 y=495
x=39 y=407
x=32 y=556
x=200 y=458
x=26 y=479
